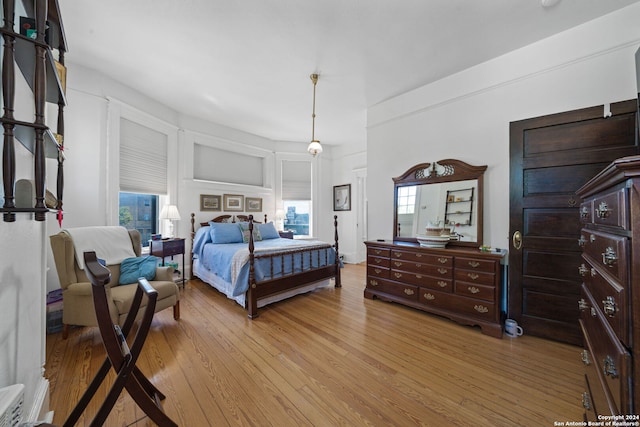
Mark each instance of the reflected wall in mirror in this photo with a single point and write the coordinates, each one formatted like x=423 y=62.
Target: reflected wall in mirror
x=446 y=194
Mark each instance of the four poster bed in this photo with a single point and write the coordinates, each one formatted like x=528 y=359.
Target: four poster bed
x=250 y=263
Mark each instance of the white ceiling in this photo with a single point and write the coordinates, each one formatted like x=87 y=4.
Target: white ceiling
x=246 y=63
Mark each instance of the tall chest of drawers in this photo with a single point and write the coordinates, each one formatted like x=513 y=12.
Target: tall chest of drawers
x=610 y=293
x=461 y=284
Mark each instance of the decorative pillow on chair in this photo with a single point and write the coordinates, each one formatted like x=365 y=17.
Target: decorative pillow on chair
x=133 y=268
x=244 y=227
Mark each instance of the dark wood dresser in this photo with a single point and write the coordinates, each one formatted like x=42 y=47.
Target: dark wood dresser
x=461 y=284
x=610 y=304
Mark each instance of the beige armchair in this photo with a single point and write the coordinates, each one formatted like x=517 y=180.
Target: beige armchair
x=77 y=299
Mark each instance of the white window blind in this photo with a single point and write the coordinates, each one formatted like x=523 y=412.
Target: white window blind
x=143 y=159
x=215 y=164
x=296 y=180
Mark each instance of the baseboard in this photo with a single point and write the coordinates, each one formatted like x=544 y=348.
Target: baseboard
x=40 y=408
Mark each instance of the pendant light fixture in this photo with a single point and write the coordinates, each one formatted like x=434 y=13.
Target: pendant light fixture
x=314 y=147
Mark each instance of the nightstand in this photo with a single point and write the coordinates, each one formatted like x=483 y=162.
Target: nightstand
x=286 y=234
x=169 y=247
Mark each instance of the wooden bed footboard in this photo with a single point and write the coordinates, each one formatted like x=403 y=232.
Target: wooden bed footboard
x=292 y=280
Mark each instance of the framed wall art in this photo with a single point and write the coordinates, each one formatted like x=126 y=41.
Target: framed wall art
x=233 y=202
x=209 y=202
x=253 y=204
x=342 y=197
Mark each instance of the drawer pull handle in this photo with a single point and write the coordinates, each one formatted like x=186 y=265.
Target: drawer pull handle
x=377 y=251
x=473 y=289
x=378 y=261
x=602 y=211
x=609 y=306
x=609 y=367
x=480 y=308
x=429 y=297
x=609 y=257
x=397 y=263
x=594 y=313
x=585 y=358
x=443 y=271
x=442 y=284
x=594 y=272
x=418 y=255
x=397 y=254
x=377 y=270
x=418 y=265
x=584 y=213
x=418 y=276
x=582 y=304
x=442 y=260
x=373 y=282
x=583 y=270
x=474 y=264
x=586 y=401
x=409 y=291
x=592 y=238
x=472 y=276
x=582 y=241
x=398 y=275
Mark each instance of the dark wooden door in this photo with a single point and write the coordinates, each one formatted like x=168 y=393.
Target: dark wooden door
x=551 y=157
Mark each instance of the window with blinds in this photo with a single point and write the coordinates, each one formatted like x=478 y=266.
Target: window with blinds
x=143 y=159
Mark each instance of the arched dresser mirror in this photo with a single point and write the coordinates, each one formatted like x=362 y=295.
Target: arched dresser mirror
x=448 y=192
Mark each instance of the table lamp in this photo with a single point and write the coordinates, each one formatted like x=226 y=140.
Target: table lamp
x=171 y=213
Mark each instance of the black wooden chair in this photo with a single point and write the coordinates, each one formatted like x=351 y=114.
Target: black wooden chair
x=119 y=355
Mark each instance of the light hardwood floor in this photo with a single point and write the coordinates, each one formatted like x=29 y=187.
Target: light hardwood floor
x=327 y=358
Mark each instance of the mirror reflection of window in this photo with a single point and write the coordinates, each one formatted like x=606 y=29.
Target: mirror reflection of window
x=406 y=200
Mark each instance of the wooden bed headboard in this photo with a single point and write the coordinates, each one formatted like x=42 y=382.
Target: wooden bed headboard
x=226 y=218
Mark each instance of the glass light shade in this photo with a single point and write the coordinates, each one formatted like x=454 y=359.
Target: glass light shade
x=314 y=147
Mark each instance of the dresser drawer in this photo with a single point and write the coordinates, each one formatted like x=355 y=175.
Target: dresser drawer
x=485 y=310
x=487 y=266
x=475 y=277
x=374 y=271
x=421 y=268
x=434 y=298
x=376 y=261
x=421 y=257
x=438 y=284
x=405 y=291
x=376 y=251
x=586 y=212
x=609 y=356
x=487 y=293
x=611 y=209
x=420 y=279
x=600 y=399
x=611 y=297
x=608 y=252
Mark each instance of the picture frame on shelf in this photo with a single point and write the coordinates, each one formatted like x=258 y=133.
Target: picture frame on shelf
x=253 y=204
x=342 y=197
x=210 y=202
x=233 y=202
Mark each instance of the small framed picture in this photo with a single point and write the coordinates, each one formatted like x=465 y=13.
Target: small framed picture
x=233 y=202
x=209 y=202
x=253 y=204
x=342 y=197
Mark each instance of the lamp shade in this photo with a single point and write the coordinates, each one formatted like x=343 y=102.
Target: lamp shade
x=170 y=212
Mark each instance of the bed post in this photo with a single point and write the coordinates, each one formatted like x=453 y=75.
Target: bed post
x=265 y=218
x=251 y=301
x=193 y=235
x=338 y=282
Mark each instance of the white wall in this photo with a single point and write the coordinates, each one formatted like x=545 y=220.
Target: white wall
x=466 y=116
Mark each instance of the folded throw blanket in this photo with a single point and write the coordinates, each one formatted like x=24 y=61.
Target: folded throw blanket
x=110 y=243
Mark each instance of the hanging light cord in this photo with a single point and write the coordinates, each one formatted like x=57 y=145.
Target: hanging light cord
x=314 y=79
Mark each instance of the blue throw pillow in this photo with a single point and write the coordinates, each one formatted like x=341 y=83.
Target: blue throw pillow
x=131 y=269
x=268 y=231
x=225 y=232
